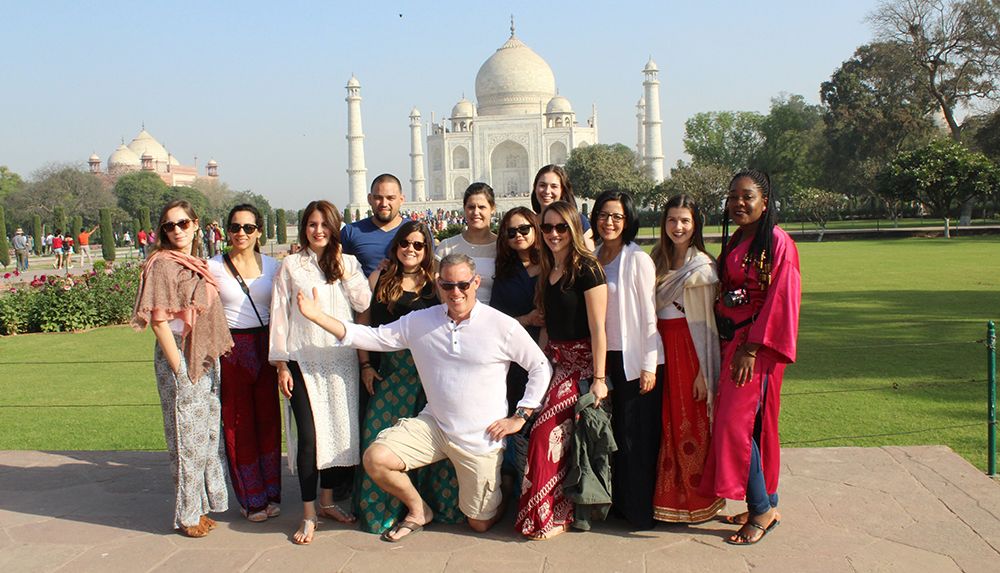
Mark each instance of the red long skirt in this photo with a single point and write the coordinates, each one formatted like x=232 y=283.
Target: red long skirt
x=251 y=420
x=543 y=506
x=684 y=441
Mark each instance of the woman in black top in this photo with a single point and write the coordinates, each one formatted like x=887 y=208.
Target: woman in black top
x=573 y=295
x=406 y=284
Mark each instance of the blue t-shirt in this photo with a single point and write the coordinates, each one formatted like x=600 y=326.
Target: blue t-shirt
x=368 y=242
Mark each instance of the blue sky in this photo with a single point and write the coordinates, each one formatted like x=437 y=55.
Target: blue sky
x=259 y=86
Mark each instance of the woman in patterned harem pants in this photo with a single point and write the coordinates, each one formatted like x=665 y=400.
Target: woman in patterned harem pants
x=191 y=427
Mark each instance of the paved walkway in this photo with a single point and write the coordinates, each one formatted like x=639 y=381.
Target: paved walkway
x=845 y=509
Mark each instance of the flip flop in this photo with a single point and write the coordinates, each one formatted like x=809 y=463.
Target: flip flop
x=741 y=518
x=742 y=539
x=413 y=526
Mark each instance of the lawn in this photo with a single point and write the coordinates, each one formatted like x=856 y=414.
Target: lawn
x=890 y=352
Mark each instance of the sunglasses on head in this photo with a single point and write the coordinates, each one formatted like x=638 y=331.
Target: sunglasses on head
x=248 y=228
x=460 y=285
x=169 y=226
x=522 y=229
x=417 y=245
x=559 y=228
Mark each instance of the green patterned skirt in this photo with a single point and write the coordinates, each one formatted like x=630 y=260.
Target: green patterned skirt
x=400 y=395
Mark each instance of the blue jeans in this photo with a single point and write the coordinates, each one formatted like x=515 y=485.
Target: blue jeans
x=758 y=500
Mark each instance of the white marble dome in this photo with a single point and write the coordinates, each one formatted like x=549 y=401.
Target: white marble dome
x=514 y=81
x=94 y=157
x=353 y=82
x=559 y=104
x=463 y=109
x=146 y=143
x=650 y=66
x=125 y=157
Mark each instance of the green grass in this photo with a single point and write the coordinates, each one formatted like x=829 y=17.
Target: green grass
x=888 y=354
x=883 y=224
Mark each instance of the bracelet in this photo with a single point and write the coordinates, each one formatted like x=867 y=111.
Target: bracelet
x=596 y=378
x=366 y=365
x=748 y=353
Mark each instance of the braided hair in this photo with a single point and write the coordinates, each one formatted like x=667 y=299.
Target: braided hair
x=761 y=253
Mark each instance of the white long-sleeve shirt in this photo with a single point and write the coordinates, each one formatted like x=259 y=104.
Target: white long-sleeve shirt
x=463 y=367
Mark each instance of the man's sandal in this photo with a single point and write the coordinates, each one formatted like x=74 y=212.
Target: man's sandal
x=412 y=526
x=744 y=539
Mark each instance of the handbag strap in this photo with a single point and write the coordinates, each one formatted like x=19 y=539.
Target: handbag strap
x=243 y=285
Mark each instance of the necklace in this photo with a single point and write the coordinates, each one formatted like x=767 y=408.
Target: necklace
x=416 y=272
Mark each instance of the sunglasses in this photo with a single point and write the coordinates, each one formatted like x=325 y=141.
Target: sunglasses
x=417 y=245
x=169 y=226
x=248 y=228
x=560 y=228
x=461 y=285
x=522 y=229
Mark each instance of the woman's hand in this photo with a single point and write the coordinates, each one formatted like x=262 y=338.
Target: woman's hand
x=308 y=306
x=533 y=318
x=368 y=378
x=599 y=388
x=647 y=381
x=743 y=363
x=700 y=388
x=285 y=380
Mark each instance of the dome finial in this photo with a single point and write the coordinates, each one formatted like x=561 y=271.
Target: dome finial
x=511 y=25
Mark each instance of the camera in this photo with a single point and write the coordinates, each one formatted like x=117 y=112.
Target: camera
x=737 y=297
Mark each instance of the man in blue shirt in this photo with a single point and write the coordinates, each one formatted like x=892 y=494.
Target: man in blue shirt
x=369 y=239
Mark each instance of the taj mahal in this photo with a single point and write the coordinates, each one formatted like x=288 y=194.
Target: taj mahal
x=518 y=124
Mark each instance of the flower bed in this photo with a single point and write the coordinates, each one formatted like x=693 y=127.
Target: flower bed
x=52 y=303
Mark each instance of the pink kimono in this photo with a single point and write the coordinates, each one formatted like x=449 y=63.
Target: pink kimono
x=775 y=328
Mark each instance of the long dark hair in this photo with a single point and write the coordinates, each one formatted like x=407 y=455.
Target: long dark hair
x=163 y=239
x=389 y=288
x=256 y=221
x=567 y=190
x=329 y=259
x=631 y=227
x=508 y=262
x=760 y=254
x=663 y=252
x=578 y=258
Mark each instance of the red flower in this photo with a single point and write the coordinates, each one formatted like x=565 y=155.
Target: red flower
x=6 y=275
x=17 y=273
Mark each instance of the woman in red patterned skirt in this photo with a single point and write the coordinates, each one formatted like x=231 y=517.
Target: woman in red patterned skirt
x=686 y=287
x=572 y=291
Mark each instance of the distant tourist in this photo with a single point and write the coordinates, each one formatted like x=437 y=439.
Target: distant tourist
x=20 y=244
x=687 y=286
x=758 y=321
x=251 y=418
x=179 y=300
x=320 y=380
x=57 y=248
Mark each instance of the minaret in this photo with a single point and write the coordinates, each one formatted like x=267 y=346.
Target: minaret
x=593 y=120
x=640 y=130
x=356 y=171
x=651 y=121
x=416 y=158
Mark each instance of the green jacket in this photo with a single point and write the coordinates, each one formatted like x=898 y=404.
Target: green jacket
x=588 y=475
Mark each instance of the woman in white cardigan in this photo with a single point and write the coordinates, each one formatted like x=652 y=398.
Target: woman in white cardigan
x=634 y=351
x=686 y=289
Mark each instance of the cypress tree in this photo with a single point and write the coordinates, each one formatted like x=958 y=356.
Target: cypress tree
x=107 y=236
x=144 y=218
x=282 y=227
x=4 y=246
x=36 y=229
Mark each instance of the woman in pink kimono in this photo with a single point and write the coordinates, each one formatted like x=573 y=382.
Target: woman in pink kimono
x=758 y=318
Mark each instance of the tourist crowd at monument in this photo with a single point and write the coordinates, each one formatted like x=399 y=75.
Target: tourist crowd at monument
x=551 y=368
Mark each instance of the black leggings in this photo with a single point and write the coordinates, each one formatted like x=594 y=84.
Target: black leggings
x=339 y=479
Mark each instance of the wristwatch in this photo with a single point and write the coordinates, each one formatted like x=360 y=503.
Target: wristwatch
x=521 y=413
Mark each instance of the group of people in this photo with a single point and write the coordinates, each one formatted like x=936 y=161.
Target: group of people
x=61 y=245
x=553 y=362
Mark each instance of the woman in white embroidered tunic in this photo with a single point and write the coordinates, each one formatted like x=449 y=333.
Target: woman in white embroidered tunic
x=319 y=378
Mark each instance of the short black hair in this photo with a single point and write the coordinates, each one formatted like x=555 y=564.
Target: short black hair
x=386 y=177
x=628 y=205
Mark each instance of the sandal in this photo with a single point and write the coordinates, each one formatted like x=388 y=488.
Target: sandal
x=412 y=526
x=199 y=530
x=334 y=512
x=255 y=516
x=307 y=532
x=741 y=518
x=273 y=510
x=741 y=538
x=207 y=522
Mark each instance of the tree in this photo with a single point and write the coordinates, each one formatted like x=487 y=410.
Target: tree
x=794 y=147
x=727 y=138
x=198 y=201
x=597 y=168
x=10 y=182
x=59 y=219
x=819 y=206
x=708 y=184
x=219 y=196
x=875 y=110
x=985 y=134
x=270 y=225
x=107 y=236
x=36 y=228
x=347 y=215
x=141 y=190
x=4 y=245
x=940 y=175
x=282 y=226
x=144 y=218
x=63 y=187
x=250 y=198
x=75 y=226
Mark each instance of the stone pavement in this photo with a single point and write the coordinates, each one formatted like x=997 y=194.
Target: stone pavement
x=845 y=509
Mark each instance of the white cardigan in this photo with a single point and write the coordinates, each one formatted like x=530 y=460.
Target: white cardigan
x=641 y=343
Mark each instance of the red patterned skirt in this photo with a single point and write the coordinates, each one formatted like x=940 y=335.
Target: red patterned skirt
x=684 y=441
x=543 y=506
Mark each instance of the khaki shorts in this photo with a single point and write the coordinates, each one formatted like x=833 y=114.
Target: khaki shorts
x=420 y=442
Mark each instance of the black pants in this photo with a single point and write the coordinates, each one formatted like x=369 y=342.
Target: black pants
x=339 y=479
x=635 y=421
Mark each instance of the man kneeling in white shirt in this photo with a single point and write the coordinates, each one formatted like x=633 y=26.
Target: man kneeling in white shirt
x=462 y=351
